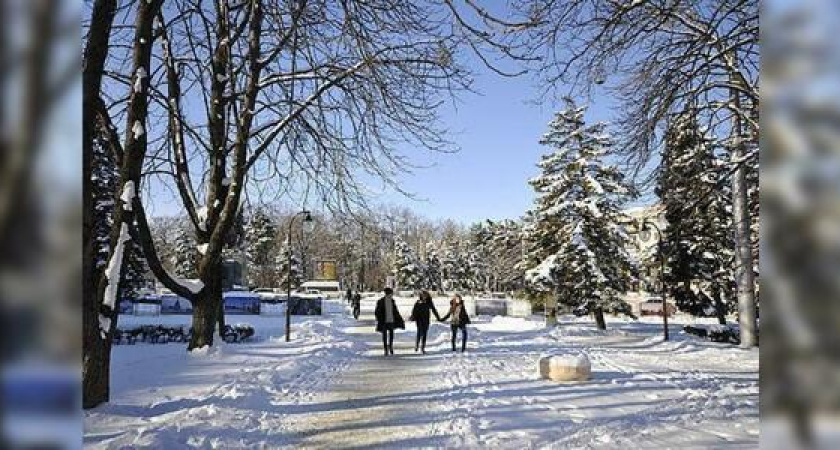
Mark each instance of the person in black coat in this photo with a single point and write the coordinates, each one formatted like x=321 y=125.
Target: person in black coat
x=460 y=320
x=357 y=305
x=388 y=319
x=421 y=314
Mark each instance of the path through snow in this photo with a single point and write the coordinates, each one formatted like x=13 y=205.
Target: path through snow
x=332 y=387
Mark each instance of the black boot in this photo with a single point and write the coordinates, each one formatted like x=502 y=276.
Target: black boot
x=392 y=349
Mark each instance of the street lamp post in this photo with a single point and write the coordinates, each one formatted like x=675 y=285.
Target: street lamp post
x=307 y=217
x=661 y=252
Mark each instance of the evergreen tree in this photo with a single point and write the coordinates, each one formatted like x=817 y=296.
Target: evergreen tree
x=698 y=240
x=576 y=234
x=479 y=255
x=506 y=253
x=185 y=255
x=104 y=186
x=407 y=267
x=260 y=238
x=283 y=268
x=433 y=276
x=455 y=275
x=134 y=271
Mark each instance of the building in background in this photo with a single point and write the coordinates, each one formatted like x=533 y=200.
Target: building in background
x=643 y=250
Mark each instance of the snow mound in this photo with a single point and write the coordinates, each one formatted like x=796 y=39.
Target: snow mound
x=506 y=323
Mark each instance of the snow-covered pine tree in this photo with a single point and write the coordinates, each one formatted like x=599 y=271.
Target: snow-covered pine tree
x=576 y=232
x=104 y=184
x=433 y=266
x=408 y=269
x=185 y=255
x=455 y=268
x=260 y=238
x=134 y=271
x=448 y=265
x=479 y=255
x=506 y=253
x=283 y=268
x=697 y=202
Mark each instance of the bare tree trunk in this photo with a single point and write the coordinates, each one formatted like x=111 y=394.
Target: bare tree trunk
x=203 y=321
x=599 y=318
x=551 y=310
x=96 y=358
x=720 y=307
x=207 y=309
x=744 y=277
x=101 y=304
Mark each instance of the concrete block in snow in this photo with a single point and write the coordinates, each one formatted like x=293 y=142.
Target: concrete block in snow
x=565 y=367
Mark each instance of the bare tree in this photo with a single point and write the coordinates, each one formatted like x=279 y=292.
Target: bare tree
x=100 y=309
x=281 y=96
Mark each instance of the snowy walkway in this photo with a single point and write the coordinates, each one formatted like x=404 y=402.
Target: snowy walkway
x=333 y=388
x=377 y=401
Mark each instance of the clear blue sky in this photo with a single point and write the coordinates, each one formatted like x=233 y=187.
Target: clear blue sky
x=498 y=133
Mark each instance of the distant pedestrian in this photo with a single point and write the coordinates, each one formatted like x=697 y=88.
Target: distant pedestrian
x=357 y=305
x=421 y=314
x=460 y=320
x=388 y=319
x=349 y=295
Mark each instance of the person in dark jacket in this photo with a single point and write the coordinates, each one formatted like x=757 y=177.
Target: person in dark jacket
x=460 y=320
x=388 y=319
x=357 y=305
x=421 y=314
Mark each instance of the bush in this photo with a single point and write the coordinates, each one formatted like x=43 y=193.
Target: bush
x=696 y=331
x=159 y=334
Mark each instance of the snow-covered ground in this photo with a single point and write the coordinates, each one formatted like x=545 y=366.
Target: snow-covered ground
x=331 y=387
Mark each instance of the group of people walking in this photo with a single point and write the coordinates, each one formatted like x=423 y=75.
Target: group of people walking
x=388 y=319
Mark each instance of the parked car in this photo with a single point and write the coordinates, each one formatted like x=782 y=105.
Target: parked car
x=653 y=307
x=313 y=292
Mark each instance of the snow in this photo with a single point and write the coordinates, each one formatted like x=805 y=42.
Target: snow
x=202 y=248
x=138 y=80
x=138 y=129
x=194 y=285
x=202 y=217
x=128 y=194
x=112 y=271
x=104 y=326
x=330 y=386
